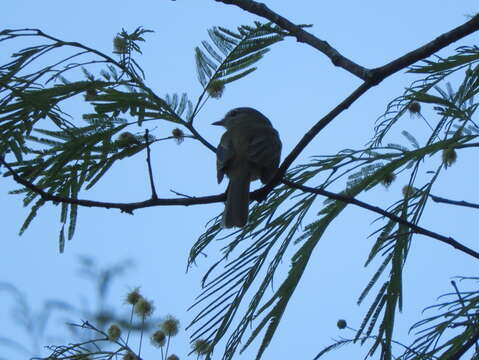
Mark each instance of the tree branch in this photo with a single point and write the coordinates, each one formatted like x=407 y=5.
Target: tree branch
x=428 y=49
x=439 y=199
x=124 y=207
x=260 y=9
x=130 y=207
x=369 y=75
x=416 y=228
x=301 y=35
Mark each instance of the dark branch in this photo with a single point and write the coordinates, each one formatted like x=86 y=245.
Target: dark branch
x=310 y=135
x=148 y=161
x=130 y=207
x=417 y=229
x=196 y=135
x=427 y=50
x=439 y=199
x=124 y=207
x=374 y=75
x=301 y=35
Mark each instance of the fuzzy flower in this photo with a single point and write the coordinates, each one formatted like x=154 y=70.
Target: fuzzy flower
x=215 y=89
x=449 y=157
x=133 y=296
x=201 y=347
x=81 y=357
x=178 y=134
x=388 y=179
x=414 y=108
x=130 y=356
x=170 y=326
x=144 y=308
x=126 y=139
x=119 y=45
x=114 y=332
x=408 y=191
x=90 y=93
x=341 y=324
x=158 y=338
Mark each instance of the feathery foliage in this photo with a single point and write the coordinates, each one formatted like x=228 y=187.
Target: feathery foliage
x=288 y=218
x=63 y=157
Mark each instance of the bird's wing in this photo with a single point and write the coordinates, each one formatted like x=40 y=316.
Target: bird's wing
x=264 y=153
x=224 y=154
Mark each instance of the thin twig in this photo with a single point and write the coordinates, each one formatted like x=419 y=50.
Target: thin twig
x=416 y=228
x=148 y=161
x=129 y=326
x=141 y=335
x=124 y=207
x=439 y=199
x=181 y=194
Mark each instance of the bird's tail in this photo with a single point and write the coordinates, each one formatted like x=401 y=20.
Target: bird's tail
x=237 y=200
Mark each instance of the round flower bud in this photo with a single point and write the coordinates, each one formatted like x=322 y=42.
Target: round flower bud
x=170 y=326
x=130 y=356
x=114 y=332
x=158 y=338
x=449 y=157
x=90 y=93
x=388 y=179
x=126 y=139
x=178 y=134
x=119 y=45
x=216 y=88
x=144 y=308
x=133 y=296
x=201 y=347
x=408 y=191
x=414 y=108
x=341 y=324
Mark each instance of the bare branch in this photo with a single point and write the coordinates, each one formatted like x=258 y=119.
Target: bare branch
x=428 y=49
x=124 y=207
x=301 y=35
x=369 y=75
x=439 y=199
x=416 y=228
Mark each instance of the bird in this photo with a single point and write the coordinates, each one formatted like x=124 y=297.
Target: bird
x=250 y=149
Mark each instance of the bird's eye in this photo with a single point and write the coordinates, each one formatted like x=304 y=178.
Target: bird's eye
x=233 y=113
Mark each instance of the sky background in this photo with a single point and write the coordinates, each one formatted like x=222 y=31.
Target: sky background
x=294 y=86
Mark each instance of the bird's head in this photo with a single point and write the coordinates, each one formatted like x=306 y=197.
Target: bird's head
x=243 y=115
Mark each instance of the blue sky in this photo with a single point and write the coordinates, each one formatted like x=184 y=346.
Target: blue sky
x=294 y=86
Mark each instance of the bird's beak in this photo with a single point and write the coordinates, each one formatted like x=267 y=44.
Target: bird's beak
x=219 y=123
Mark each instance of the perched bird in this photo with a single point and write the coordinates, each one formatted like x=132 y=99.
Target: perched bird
x=250 y=149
